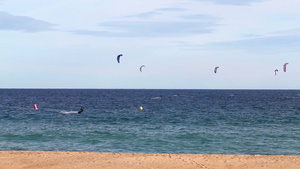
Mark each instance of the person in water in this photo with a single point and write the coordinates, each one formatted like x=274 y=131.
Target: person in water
x=81 y=110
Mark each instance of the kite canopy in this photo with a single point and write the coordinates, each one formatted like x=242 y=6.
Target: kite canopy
x=284 y=67
x=118 y=58
x=275 y=71
x=216 y=68
x=142 y=67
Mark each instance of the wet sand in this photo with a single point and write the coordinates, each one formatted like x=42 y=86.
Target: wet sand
x=88 y=160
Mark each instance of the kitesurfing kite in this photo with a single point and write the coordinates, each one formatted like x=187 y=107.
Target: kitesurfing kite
x=118 y=58
x=142 y=67
x=284 y=67
x=275 y=72
x=216 y=68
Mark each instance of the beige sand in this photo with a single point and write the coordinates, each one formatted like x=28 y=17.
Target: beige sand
x=86 y=160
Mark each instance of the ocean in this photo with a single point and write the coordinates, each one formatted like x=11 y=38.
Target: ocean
x=172 y=121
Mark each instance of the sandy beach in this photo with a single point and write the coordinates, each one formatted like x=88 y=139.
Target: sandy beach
x=88 y=160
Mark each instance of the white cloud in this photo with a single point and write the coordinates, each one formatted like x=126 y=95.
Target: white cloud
x=276 y=42
x=234 y=2
x=151 y=29
x=267 y=45
x=23 y=23
x=159 y=11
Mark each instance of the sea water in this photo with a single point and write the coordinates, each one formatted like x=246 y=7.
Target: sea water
x=172 y=121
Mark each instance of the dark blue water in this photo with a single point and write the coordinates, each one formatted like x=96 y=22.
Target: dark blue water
x=173 y=121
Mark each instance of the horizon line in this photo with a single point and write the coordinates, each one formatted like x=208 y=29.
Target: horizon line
x=141 y=89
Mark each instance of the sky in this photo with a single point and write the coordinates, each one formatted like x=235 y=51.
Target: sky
x=75 y=44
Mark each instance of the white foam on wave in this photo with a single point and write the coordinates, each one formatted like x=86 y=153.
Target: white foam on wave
x=68 y=112
x=155 y=98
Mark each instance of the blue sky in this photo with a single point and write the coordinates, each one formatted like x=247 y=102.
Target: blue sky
x=75 y=43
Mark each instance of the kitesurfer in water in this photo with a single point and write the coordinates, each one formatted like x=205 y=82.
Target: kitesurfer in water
x=81 y=110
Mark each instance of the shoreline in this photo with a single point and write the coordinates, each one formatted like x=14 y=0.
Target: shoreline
x=93 y=160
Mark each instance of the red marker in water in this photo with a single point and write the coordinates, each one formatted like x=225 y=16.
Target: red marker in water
x=35 y=107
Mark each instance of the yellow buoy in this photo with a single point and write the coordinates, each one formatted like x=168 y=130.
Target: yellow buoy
x=141 y=108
